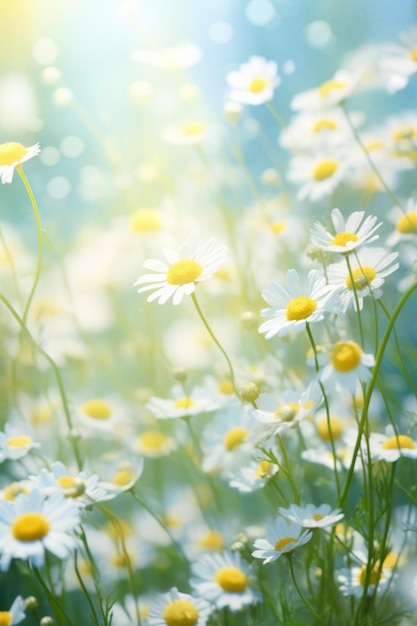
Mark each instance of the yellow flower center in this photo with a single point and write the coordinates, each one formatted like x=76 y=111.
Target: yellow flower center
x=398 y=442
x=300 y=308
x=341 y=239
x=257 y=84
x=30 y=527
x=373 y=145
x=191 y=129
x=225 y=386
x=325 y=169
x=71 y=486
x=20 y=441
x=45 y=306
x=336 y=428
x=183 y=272
x=414 y=54
x=6 y=618
x=327 y=88
x=362 y=277
x=123 y=477
x=375 y=576
x=282 y=543
x=346 y=355
x=12 y=491
x=317 y=517
x=121 y=560
x=231 y=579
x=212 y=540
x=265 y=469
x=41 y=414
x=180 y=613
x=391 y=560
x=407 y=224
x=286 y=412
x=172 y=521
x=11 y=152
x=184 y=403
x=277 y=227
x=97 y=409
x=324 y=124
x=152 y=440
x=235 y=437
x=145 y=221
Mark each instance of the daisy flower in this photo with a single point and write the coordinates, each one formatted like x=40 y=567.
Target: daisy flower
x=255 y=81
x=401 y=61
x=223 y=579
x=180 y=404
x=405 y=223
x=13 y=154
x=15 y=614
x=318 y=175
x=32 y=524
x=300 y=305
x=281 y=538
x=349 y=234
x=188 y=133
x=391 y=446
x=348 y=365
x=318 y=129
x=368 y=270
x=185 y=267
x=352 y=580
x=16 y=441
x=228 y=440
x=154 y=443
x=294 y=407
x=253 y=476
x=79 y=486
x=311 y=516
x=328 y=94
x=179 y=609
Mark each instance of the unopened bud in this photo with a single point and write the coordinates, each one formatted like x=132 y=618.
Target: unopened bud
x=249 y=392
x=180 y=374
x=31 y=603
x=47 y=621
x=232 y=112
x=249 y=320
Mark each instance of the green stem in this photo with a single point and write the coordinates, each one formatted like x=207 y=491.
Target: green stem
x=372 y=382
x=355 y=295
x=216 y=341
x=392 y=195
x=300 y=593
x=52 y=599
x=32 y=198
x=275 y=113
x=56 y=371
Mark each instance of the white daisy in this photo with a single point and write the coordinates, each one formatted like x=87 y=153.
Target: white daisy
x=179 y=609
x=318 y=130
x=180 y=404
x=352 y=580
x=294 y=407
x=328 y=94
x=253 y=476
x=369 y=268
x=223 y=579
x=348 y=365
x=77 y=485
x=32 y=524
x=189 y=133
x=349 y=234
x=318 y=175
x=13 y=154
x=405 y=223
x=281 y=538
x=228 y=441
x=185 y=267
x=154 y=443
x=391 y=446
x=300 y=305
x=401 y=61
x=15 y=614
x=254 y=82
x=16 y=441
x=311 y=516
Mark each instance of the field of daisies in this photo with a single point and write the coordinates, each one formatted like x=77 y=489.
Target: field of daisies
x=208 y=371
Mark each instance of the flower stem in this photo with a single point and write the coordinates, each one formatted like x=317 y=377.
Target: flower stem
x=216 y=341
x=300 y=593
x=32 y=198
